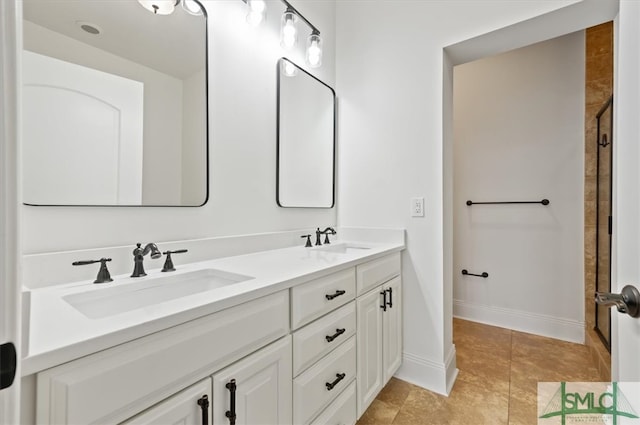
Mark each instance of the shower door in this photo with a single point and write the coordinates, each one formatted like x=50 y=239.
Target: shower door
x=603 y=217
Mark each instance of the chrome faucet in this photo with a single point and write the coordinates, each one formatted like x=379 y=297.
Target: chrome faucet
x=138 y=257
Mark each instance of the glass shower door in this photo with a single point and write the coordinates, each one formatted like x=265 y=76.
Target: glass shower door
x=603 y=218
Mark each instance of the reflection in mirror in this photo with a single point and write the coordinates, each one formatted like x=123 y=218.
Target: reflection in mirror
x=306 y=139
x=114 y=104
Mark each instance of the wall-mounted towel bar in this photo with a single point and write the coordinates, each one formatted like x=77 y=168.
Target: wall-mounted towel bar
x=543 y=202
x=466 y=273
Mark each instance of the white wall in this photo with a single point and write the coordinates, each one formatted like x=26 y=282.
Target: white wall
x=519 y=135
x=161 y=172
x=242 y=100
x=394 y=88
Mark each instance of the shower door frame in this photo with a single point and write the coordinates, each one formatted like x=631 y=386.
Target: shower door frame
x=607 y=106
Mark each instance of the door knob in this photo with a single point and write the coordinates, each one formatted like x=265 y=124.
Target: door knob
x=628 y=301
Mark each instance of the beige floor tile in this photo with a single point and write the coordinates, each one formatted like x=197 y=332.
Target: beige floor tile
x=473 y=400
x=379 y=413
x=395 y=393
x=499 y=371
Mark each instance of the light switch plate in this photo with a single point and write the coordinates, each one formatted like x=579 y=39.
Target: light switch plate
x=417 y=207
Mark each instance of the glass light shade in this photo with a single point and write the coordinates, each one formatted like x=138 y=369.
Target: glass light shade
x=288 y=31
x=257 y=9
x=159 y=7
x=191 y=7
x=314 y=50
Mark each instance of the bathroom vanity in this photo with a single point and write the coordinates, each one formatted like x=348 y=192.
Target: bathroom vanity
x=297 y=336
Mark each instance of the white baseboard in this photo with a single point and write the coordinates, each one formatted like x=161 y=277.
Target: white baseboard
x=538 y=324
x=451 y=369
x=433 y=376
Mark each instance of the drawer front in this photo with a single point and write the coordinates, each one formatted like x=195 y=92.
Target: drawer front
x=180 y=408
x=376 y=272
x=315 y=340
x=117 y=383
x=311 y=389
x=341 y=411
x=318 y=297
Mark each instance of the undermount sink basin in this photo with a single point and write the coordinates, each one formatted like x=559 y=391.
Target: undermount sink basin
x=342 y=248
x=104 y=302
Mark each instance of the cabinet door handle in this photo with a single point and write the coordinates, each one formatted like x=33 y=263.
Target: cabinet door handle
x=337 y=294
x=339 y=377
x=390 y=302
x=204 y=405
x=231 y=413
x=335 y=335
x=384 y=300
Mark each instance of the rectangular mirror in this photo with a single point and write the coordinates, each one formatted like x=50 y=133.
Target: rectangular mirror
x=306 y=139
x=114 y=103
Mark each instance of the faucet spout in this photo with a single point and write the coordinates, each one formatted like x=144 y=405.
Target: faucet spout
x=138 y=257
x=326 y=232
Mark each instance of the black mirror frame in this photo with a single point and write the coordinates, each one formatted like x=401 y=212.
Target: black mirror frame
x=207 y=150
x=333 y=174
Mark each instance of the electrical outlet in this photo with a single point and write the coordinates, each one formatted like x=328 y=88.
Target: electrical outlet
x=417 y=207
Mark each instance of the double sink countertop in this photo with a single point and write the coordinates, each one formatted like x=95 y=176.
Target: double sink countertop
x=73 y=320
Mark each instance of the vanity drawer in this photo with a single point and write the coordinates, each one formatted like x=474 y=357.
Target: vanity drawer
x=311 y=393
x=316 y=339
x=317 y=297
x=376 y=272
x=120 y=382
x=341 y=411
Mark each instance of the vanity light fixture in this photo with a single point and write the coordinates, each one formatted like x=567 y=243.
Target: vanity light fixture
x=257 y=9
x=288 y=31
x=314 y=49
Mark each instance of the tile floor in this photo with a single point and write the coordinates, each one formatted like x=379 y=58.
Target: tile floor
x=497 y=381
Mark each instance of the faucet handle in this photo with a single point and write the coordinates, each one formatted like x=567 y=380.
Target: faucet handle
x=308 y=244
x=103 y=272
x=168 y=263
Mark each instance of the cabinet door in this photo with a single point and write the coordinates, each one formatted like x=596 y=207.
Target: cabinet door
x=262 y=393
x=392 y=329
x=369 y=347
x=189 y=406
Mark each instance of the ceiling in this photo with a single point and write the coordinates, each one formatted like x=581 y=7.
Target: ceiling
x=172 y=44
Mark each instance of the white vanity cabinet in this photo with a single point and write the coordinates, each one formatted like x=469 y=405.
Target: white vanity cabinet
x=379 y=317
x=116 y=384
x=316 y=353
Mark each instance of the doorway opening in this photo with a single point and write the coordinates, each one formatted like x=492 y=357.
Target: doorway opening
x=599 y=142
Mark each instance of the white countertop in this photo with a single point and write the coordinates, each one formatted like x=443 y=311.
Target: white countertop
x=59 y=333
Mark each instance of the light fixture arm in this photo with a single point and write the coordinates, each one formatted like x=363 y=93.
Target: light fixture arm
x=301 y=16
